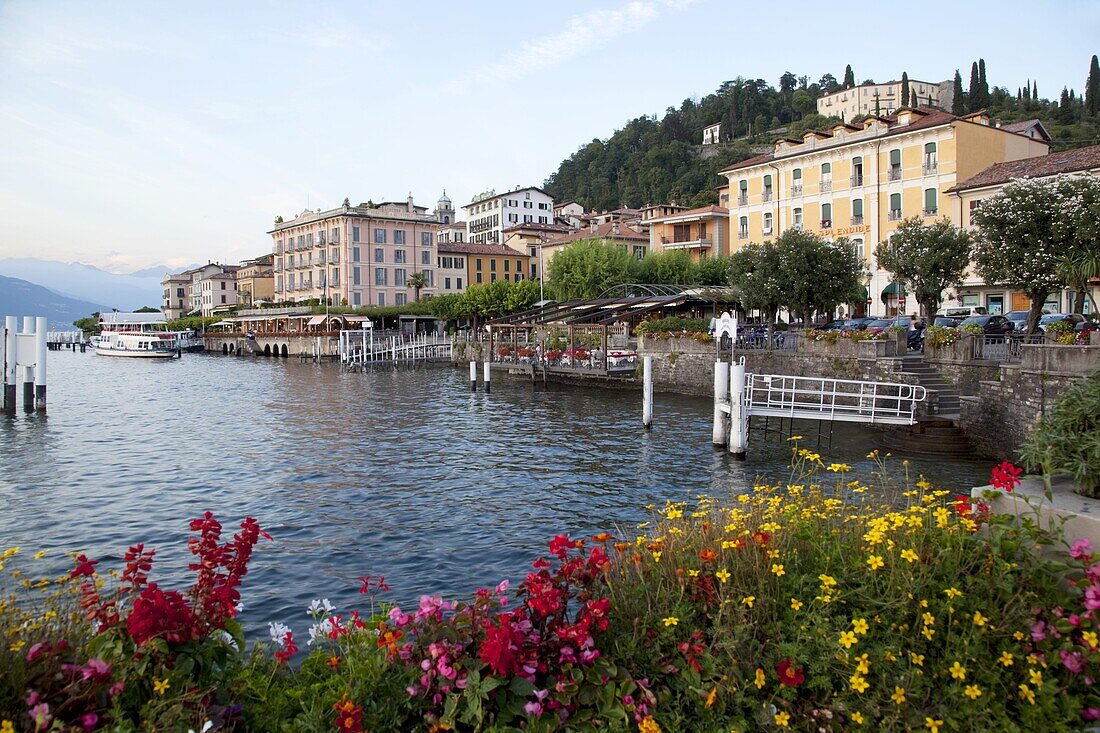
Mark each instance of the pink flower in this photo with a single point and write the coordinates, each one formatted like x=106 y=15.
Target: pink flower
x=41 y=716
x=1092 y=597
x=1073 y=661
x=89 y=721
x=97 y=670
x=533 y=708
x=1091 y=713
x=1037 y=631
x=1081 y=549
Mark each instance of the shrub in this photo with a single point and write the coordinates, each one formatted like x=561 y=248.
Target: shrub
x=1068 y=439
x=973 y=329
x=939 y=336
x=674 y=325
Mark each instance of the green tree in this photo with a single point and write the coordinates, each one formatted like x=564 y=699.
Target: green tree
x=983 y=85
x=416 y=281
x=1067 y=112
x=803 y=103
x=755 y=270
x=816 y=274
x=89 y=325
x=671 y=268
x=1016 y=244
x=521 y=296
x=974 y=93
x=849 y=77
x=711 y=271
x=927 y=259
x=958 y=99
x=448 y=307
x=587 y=267
x=1092 y=88
x=904 y=89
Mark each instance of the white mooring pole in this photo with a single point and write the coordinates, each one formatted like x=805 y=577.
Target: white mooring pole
x=739 y=416
x=486 y=372
x=721 y=394
x=40 y=341
x=10 y=358
x=647 y=392
x=28 y=370
x=473 y=376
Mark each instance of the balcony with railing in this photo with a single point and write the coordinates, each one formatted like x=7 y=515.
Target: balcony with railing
x=857 y=221
x=742 y=233
x=827 y=185
x=895 y=215
x=895 y=173
x=767 y=195
x=929 y=169
x=698 y=243
x=742 y=200
x=856 y=180
x=929 y=212
x=826 y=223
x=767 y=230
x=796 y=189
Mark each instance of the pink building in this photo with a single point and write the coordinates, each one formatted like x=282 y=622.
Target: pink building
x=356 y=255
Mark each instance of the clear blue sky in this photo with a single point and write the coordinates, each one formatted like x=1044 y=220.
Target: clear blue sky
x=134 y=134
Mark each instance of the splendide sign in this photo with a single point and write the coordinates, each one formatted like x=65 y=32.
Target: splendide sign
x=845 y=231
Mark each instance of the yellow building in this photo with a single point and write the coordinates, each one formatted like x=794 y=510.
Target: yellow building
x=256 y=281
x=484 y=263
x=968 y=195
x=860 y=181
x=699 y=232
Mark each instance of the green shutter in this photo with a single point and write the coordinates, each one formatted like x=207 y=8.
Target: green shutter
x=857 y=207
x=797 y=175
x=895 y=158
x=895 y=202
x=826 y=168
x=929 y=199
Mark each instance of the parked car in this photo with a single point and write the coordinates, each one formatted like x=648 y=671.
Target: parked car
x=945 y=322
x=1019 y=319
x=1087 y=327
x=857 y=324
x=836 y=325
x=877 y=326
x=991 y=325
x=1050 y=318
x=962 y=312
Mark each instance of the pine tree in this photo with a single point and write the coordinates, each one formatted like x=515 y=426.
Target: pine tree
x=958 y=101
x=974 y=94
x=849 y=77
x=983 y=85
x=1092 y=88
x=1027 y=91
x=1019 y=95
x=1035 y=90
x=904 y=89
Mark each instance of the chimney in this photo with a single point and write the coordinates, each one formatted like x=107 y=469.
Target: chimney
x=595 y=225
x=615 y=229
x=412 y=209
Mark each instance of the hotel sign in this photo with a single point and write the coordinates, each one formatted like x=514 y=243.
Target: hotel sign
x=846 y=231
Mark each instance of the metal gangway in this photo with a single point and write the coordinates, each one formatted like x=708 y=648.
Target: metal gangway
x=739 y=395
x=361 y=347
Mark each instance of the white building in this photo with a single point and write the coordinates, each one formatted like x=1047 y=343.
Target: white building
x=490 y=213
x=883 y=99
x=712 y=134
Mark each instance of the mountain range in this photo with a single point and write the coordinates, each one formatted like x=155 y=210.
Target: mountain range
x=88 y=283
x=22 y=298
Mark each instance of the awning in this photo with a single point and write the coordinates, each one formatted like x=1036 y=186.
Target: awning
x=892 y=290
x=316 y=321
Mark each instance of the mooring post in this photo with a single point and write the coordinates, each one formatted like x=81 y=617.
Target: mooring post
x=10 y=357
x=647 y=392
x=739 y=416
x=40 y=341
x=473 y=376
x=486 y=373
x=721 y=394
x=28 y=370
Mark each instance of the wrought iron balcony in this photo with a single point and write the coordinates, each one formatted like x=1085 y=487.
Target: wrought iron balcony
x=895 y=174
x=856 y=180
x=895 y=214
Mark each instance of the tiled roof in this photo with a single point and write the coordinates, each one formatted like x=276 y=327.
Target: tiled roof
x=1052 y=164
x=1022 y=128
x=479 y=249
x=694 y=212
x=603 y=231
x=757 y=160
x=538 y=227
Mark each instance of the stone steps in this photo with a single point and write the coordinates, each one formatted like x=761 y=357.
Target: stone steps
x=936 y=436
x=929 y=378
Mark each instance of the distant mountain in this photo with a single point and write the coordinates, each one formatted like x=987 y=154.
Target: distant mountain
x=87 y=283
x=159 y=271
x=21 y=298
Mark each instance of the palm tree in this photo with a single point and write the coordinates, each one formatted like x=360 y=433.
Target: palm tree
x=416 y=281
x=1078 y=269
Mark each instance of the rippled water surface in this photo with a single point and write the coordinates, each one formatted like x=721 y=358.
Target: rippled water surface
x=403 y=473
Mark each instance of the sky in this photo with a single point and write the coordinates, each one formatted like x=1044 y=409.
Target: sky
x=135 y=134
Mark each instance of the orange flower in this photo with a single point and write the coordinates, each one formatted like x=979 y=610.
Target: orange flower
x=707 y=555
x=333 y=662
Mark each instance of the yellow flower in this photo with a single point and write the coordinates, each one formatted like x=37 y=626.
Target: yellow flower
x=860 y=626
x=909 y=555
x=796 y=604
x=838 y=467
x=899 y=695
x=778 y=570
x=39 y=555
x=941 y=514
x=958 y=671
x=1027 y=694
x=671 y=621
x=648 y=725
x=1018 y=635
x=693 y=573
x=953 y=593
x=826 y=580
x=712 y=696
x=857 y=717
x=722 y=575
x=7 y=727
x=657 y=556
x=1006 y=659
x=781 y=719
x=917 y=659
x=1036 y=677
x=759 y=678
x=875 y=562
x=159 y=686
x=749 y=600
x=794 y=438
x=933 y=725
x=17 y=646
x=1090 y=639
x=858 y=683
x=928 y=632
x=973 y=692
x=847 y=638
x=863 y=664
x=979 y=619
x=928 y=619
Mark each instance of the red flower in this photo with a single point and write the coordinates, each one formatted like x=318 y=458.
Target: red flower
x=349 y=717
x=499 y=648
x=1006 y=476
x=84 y=566
x=163 y=614
x=788 y=674
x=707 y=555
x=761 y=538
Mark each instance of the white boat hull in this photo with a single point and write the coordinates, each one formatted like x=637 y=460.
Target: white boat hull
x=135 y=353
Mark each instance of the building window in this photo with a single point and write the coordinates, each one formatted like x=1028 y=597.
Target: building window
x=398 y=236
x=929 y=202
x=477 y=263
x=458 y=283
x=399 y=256
x=355 y=276
x=493 y=278
x=767 y=222
x=895 y=206
x=335 y=235
x=223 y=284
x=767 y=188
x=380 y=277
x=425 y=257
x=355 y=234
x=446 y=283
x=742 y=192
x=379 y=236
x=399 y=277
x=857 y=212
x=857 y=171
x=895 y=164
x=355 y=254
x=929 y=159
x=223 y=300
x=382 y=299
x=356 y=299
x=796 y=182
x=425 y=239
x=826 y=216
x=743 y=228
x=335 y=277
x=826 y=177
x=399 y=299
x=478 y=276
x=798 y=218
x=379 y=254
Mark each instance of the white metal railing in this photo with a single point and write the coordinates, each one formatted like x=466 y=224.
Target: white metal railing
x=364 y=346
x=65 y=337
x=820 y=398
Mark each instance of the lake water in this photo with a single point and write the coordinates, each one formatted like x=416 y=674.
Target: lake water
x=403 y=473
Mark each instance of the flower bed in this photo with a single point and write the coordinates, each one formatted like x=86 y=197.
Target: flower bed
x=804 y=605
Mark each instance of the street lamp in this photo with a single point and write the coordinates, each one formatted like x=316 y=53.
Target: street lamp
x=867 y=279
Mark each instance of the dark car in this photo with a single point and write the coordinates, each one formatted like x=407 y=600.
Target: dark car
x=990 y=324
x=882 y=324
x=837 y=325
x=945 y=322
x=857 y=324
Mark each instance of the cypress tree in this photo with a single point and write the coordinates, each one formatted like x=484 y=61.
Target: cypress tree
x=1066 y=113
x=1092 y=88
x=1035 y=90
x=1027 y=90
x=849 y=77
x=904 y=89
x=974 y=94
x=983 y=85
x=958 y=100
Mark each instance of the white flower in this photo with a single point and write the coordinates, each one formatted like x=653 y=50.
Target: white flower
x=278 y=632
x=317 y=606
x=229 y=640
x=318 y=632
x=205 y=727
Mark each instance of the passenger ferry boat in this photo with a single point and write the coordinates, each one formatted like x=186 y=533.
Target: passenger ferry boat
x=141 y=335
